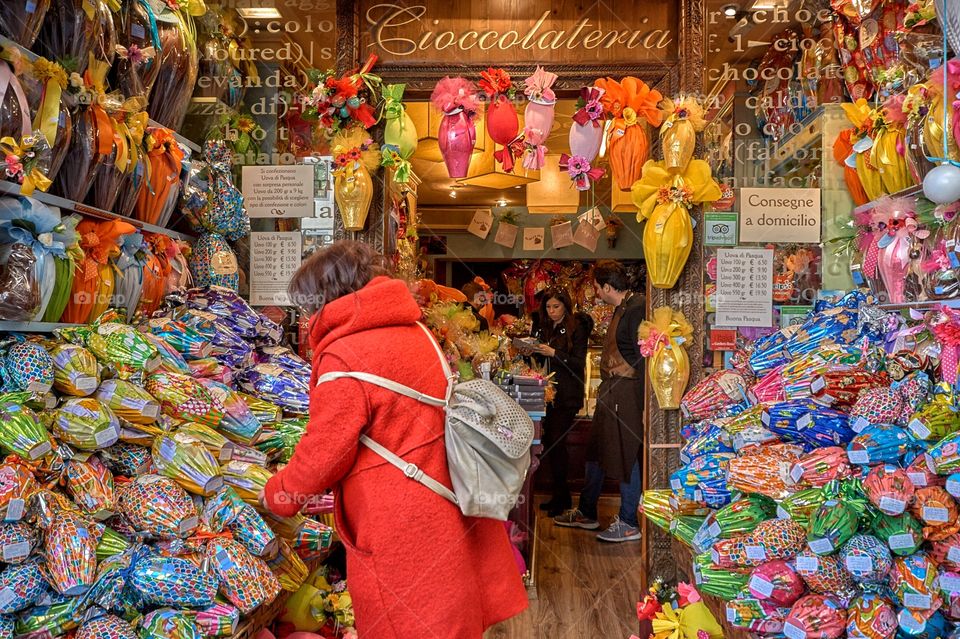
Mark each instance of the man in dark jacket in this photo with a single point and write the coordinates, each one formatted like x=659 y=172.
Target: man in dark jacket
x=617 y=429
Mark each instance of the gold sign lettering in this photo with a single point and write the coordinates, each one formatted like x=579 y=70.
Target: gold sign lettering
x=401 y=31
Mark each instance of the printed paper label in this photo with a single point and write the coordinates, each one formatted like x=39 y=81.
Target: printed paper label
x=954 y=554
x=731 y=613
x=151 y=410
x=189 y=523
x=105 y=437
x=950 y=584
x=901 y=541
x=935 y=514
x=804 y=421
x=792 y=632
x=919 y=429
x=909 y=622
x=891 y=505
x=12 y=552
x=918 y=479
x=857 y=563
x=916 y=601
x=714 y=530
x=818 y=385
x=859 y=424
x=760 y=585
x=675 y=484
x=860 y=457
x=226 y=453
x=782 y=514
x=137 y=31
x=796 y=473
x=40 y=450
x=765 y=418
x=16 y=507
x=821 y=546
x=7 y=596
x=953 y=487
x=756 y=553
x=807 y=564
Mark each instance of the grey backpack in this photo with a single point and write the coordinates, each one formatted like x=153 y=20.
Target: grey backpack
x=488 y=437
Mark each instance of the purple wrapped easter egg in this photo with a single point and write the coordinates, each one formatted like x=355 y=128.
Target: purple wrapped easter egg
x=273 y=383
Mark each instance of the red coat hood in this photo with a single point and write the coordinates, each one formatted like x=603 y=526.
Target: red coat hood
x=383 y=302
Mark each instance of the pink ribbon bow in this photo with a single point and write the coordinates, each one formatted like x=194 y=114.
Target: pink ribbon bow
x=580 y=171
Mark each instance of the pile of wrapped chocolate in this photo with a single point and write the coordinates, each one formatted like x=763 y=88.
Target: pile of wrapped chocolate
x=820 y=486
x=134 y=460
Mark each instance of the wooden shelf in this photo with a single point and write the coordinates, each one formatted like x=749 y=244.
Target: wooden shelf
x=9 y=188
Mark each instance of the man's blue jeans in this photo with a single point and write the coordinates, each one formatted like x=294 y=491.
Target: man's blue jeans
x=629 y=494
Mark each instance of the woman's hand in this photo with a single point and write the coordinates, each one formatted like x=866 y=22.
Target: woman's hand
x=543 y=349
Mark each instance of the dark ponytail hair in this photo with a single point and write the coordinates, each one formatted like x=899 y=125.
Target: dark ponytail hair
x=560 y=336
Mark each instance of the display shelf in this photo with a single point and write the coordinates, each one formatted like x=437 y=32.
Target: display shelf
x=32 y=327
x=913 y=190
x=9 y=188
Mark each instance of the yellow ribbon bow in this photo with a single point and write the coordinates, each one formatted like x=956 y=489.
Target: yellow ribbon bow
x=33 y=177
x=53 y=77
x=667 y=624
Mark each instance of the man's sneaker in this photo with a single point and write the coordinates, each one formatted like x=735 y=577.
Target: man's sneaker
x=575 y=519
x=619 y=531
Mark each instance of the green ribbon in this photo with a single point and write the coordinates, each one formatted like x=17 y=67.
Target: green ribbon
x=393 y=101
x=389 y=157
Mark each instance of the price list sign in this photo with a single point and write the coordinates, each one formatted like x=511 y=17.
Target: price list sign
x=274 y=258
x=745 y=287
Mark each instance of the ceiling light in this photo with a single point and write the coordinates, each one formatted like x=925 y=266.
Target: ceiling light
x=453 y=193
x=501 y=202
x=259 y=13
x=730 y=10
x=518 y=186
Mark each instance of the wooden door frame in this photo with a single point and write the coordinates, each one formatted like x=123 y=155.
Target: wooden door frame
x=661 y=428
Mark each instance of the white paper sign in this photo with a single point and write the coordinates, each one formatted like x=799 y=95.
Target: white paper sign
x=274 y=258
x=534 y=239
x=780 y=215
x=594 y=217
x=859 y=563
x=481 y=223
x=935 y=514
x=745 y=287
x=760 y=585
x=586 y=236
x=279 y=190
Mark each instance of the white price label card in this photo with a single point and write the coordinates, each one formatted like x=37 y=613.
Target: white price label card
x=714 y=530
x=950 y=584
x=859 y=563
x=105 y=437
x=918 y=479
x=892 y=505
x=15 y=509
x=12 y=552
x=953 y=487
x=807 y=564
x=796 y=473
x=765 y=418
x=760 y=585
x=859 y=424
x=935 y=514
x=782 y=514
x=953 y=554
x=818 y=384
x=793 y=632
x=919 y=429
x=805 y=421
x=859 y=457
x=756 y=553
x=901 y=541
x=916 y=601
x=821 y=546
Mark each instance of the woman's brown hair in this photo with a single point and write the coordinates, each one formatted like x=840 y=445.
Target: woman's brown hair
x=342 y=268
x=553 y=335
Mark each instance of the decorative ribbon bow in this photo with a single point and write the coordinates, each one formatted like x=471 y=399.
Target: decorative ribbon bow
x=21 y=163
x=507 y=155
x=948 y=333
x=390 y=157
x=534 y=156
x=53 y=77
x=135 y=55
x=592 y=109
x=95 y=78
x=580 y=171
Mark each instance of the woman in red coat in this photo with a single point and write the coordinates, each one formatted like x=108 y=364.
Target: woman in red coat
x=416 y=567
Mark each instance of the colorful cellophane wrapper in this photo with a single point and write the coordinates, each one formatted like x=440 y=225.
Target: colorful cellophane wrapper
x=219 y=446
x=20 y=429
x=737 y=423
x=824 y=574
x=184 y=398
x=685 y=527
x=770 y=389
x=277 y=385
x=903 y=528
x=123 y=346
x=18 y=540
x=823 y=465
x=284 y=358
x=883 y=443
x=210 y=368
x=655 y=506
x=170 y=360
x=288 y=567
x=944 y=457
x=818 y=616
x=888 y=488
x=835 y=521
x=801 y=505
x=808 y=423
x=91 y=485
x=867 y=546
x=128 y=459
x=699 y=469
x=718 y=582
x=939 y=418
x=29 y=367
x=780 y=538
x=247 y=479
x=169 y=624
x=761 y=471
x=107 y=627
x=75 y=370
x=229 y=348
x=842 y=387
x=743 y=515
x=21 y=586
x=930 y=506
x=111 y=544
x=263 y=410
x=16 y=485
x=186 y=340
x=871 y=617
x=312 y=539
x=244 y=579
x=948 y=583
x=225 y=510
x=879 y=406
x=271 y=443
x=239 y=422
x=171 y=581
x=7 y=625
x=128 y=401
x=70 y=549
x=914 y=575
x=227 y=304
x=189 y=463
x=710 y=439
x=157 y=506
x=712 y=394
x=756 y=615
x=219 y=620
x=87 y=424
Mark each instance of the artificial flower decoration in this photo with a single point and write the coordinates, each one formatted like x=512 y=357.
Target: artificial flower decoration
x=586 y=134
x=240 y=131
x=457 y=99
x=135 y=55
x=21 y=163
x=356 y=156
x=341 y=102
x=663 y=198
x=399 y=135
x=629 y=103
x=678 y=133
x=581 y=172
x=503 y=125
x=662 y=343
x=538 y=116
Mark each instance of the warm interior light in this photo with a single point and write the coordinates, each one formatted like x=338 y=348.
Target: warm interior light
x=453 y=193
x=730 y=10
x=259 y=13
x=501 y=202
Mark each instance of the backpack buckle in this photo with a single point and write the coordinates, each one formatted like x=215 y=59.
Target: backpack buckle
x=412 y=471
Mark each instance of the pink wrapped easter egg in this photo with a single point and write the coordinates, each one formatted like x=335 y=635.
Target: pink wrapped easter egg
x=776 y=581
x=816 y=617
x=889 y=489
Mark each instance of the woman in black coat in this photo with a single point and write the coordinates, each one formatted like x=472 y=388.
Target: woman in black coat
x=563 y=337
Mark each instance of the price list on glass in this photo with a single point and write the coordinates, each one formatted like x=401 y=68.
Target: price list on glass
x=745 y=287
x=274 y=258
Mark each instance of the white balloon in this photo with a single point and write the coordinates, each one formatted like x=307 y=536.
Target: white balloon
x=942 y=184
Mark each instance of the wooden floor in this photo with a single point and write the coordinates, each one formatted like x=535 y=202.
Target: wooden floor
x=585 y=588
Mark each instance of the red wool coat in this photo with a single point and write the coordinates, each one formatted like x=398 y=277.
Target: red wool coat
x=416 y=567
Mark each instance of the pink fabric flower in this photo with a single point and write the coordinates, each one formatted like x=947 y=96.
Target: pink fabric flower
x=13 y=164
x=688 y=594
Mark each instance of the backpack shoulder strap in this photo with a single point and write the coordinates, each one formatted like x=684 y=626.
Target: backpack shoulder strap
x=447 y=372
x=383 y=382
x=410 y=470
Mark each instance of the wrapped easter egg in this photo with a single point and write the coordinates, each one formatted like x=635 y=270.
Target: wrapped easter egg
x=735 y=518
x=20 y=429
x=312 y=539
x=107 y=627
x=213 y=262
x=131 y=460
x=219 y=620
x=923 y=624
x=902 y=533
x=247 y=479
x=881 y=443
x=120 y=345
x=239 y=422
x=816 y=617
x=756 y=615
x=871 y=617
x=777 y=582
x=289 y=568
x=75 y=370
x=820 y=466
x=185 y=339
x=760 y=471
x=226 y=511
x=17 y=484
x=90 y=483
x=26 y=366
x=86 y=423
x=824 y=574
x=913 y=580
x=157 y=506
x=22 y=586
x=171 y=581
x=937 y=510
x=718 y=389
x=948 y=586
x=831 y=527
x=878 y=405
x=18 y=540
x=69 y=547
x=166 y=623
x=266 y=412
x=781 y=538
x=128 y=401
x=245 y=580
x=866 y=558
x=801 y=505
x=219 y=446
x=170 y=360
x=188 y=462
x=946 y=552
x=227 y=305
x=184 y=398
x=889 y=489
x=944 y=456
x=228 y=347
x=277 y=385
